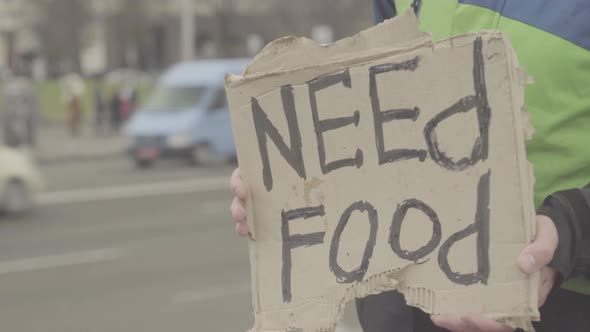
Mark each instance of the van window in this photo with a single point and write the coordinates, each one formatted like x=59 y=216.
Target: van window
x=171 y=98
x=219 y=101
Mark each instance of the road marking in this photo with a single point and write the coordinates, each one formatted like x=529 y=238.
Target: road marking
x=211 y=293
x=59 y=260
x=134 y=191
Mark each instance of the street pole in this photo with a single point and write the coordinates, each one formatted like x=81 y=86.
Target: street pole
x=187 y=30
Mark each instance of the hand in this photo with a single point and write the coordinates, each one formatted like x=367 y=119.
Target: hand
x=238 y=205
x=533 y=258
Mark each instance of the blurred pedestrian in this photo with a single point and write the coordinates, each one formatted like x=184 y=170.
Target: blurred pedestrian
x=128 y=99
x=115 y=108
x=126 y=105
x=73 y=90
x=21 y=109
x=100 y=111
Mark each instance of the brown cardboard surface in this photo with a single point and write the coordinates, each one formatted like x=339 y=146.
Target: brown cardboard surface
x=393 y=163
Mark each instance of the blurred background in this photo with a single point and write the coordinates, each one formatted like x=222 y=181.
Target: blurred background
x=116 y=155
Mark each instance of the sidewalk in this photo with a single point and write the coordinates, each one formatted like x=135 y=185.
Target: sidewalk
x=56 y=144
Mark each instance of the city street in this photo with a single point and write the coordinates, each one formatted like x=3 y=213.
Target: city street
x=111 y=248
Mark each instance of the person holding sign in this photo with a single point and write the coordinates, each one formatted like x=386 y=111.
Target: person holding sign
x=557 y=150
x=552 y=41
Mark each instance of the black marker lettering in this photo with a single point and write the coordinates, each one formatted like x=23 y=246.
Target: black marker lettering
x=396 y=227
x=482 y=228
x=357 y=274
x=322 y=126
x=478 y=102
x=380 y=117
x=291 y=242
x=293 y=154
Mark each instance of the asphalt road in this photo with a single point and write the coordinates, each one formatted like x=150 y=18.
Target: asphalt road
x=111 y=248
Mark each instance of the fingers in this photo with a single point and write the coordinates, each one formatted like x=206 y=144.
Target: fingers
x=242 y=229
x=546 y=282
x=540 y=252
x=469 y=323
x=238 y=208
x=238 y=186
x=481 y=323
x=238 y=211
x=449 y=322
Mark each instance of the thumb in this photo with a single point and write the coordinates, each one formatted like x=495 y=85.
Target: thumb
x=540 y=252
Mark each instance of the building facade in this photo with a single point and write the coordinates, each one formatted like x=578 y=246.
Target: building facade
x=101 y=35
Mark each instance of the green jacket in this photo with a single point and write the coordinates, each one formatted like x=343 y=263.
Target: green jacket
x=552 y=41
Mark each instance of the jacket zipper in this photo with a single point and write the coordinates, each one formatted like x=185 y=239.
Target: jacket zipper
x=416 y=5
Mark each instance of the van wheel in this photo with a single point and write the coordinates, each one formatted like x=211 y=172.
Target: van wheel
x=143 y=163
x=16 y=198
x=197 y=154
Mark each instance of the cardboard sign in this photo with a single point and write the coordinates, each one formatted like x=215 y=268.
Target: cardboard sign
x=385 y=161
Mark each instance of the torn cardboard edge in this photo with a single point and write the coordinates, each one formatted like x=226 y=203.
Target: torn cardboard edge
x=292 y=55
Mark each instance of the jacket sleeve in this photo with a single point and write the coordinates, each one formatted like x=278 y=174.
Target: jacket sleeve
x=570 y=211
x=383 y=10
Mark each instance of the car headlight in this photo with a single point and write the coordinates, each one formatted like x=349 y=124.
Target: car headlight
x=179 y=140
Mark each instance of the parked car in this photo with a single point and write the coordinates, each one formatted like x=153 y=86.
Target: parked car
x=20 y=180
x=186 y=115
